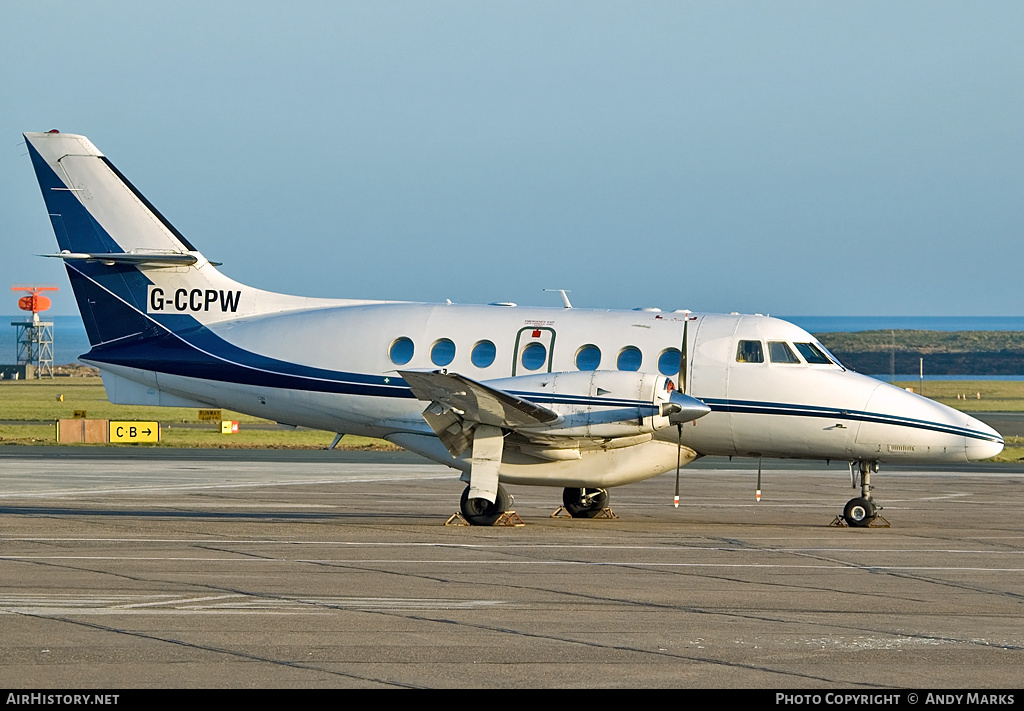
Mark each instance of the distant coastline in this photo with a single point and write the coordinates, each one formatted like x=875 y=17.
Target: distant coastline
x=70 y=341
x=854 y=324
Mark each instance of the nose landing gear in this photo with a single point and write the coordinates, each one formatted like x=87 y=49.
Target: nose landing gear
x=861 y=511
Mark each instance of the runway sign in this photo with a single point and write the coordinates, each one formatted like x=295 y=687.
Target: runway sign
x=134 y=431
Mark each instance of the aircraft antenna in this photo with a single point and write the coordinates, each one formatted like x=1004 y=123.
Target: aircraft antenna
x=565 y=299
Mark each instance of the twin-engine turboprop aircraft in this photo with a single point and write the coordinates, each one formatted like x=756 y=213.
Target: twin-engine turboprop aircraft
x=574 y=398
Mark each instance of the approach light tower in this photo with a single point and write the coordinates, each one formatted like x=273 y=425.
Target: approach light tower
x=35 y=337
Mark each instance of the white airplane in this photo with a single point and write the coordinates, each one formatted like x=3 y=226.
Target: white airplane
x=581 y=399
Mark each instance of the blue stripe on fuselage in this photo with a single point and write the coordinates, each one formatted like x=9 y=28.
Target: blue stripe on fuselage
x=777 y=408
x=176 y=354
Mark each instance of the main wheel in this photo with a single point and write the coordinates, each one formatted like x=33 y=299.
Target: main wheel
x=859 y=512
x=481 y=512
x=584 y=503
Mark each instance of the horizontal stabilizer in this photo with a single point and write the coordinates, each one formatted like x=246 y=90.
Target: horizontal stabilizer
x=164 y=259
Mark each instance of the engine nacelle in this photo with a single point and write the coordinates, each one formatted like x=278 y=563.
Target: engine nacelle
x=603 y=403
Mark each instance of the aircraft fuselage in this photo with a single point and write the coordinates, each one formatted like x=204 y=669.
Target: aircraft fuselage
x=342 y=376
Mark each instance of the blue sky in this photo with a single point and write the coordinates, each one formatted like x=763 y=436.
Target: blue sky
x=785 y=158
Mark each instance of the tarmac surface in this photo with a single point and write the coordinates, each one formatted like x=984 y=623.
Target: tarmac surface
x=143 y=568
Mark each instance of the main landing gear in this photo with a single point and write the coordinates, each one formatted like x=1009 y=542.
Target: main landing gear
x=580 y=503
x=481 y=512
x=861 y=511
x=584 y=503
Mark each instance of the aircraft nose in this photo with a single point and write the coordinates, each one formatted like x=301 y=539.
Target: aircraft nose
x=986 y=444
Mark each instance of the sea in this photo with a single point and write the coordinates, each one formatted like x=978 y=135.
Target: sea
x=70 y=341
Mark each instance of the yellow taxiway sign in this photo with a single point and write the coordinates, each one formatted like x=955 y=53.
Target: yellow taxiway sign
x=134 y=431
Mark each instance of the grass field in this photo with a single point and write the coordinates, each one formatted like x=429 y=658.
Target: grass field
x=34 y=401
x=973 y=395
x=40 y=400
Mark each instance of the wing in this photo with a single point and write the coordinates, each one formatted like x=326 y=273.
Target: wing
x=580 y=409
x=458 y=403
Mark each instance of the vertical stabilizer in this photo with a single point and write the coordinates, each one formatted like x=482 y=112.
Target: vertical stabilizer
x=133 y=273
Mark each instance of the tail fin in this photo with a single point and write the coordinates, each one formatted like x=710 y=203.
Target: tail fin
x=94 y=209
x=132 y=272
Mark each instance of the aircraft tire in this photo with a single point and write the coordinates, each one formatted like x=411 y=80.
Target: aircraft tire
x=573 y=500
x=481 y=512
x=859 y=512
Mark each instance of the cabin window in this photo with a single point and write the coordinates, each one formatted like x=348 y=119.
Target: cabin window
x=401 y=351
x=811 y=353
x=780 y=352
x=629 y=358
x=534 y=356
x=588 y=358
x=442 y=352
x=749 y=352
x=483 y=354
x=669 y=360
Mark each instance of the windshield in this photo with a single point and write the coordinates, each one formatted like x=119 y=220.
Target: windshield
x=815 y=353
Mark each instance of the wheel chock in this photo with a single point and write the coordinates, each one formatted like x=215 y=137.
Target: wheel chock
x=606 y=512
x=879 y=521
x=509 y=518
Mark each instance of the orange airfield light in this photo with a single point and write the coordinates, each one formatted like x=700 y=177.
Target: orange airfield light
x=34 y=302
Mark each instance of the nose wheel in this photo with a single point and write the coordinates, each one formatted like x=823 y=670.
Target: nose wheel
x=861 y=511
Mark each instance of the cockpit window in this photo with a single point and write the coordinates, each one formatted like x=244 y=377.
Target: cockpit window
x=812 y=353
x=749 y=352
x=780 y=352
x=829 y=354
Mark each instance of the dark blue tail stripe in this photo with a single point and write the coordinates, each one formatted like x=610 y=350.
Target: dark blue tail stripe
x=79 y=231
